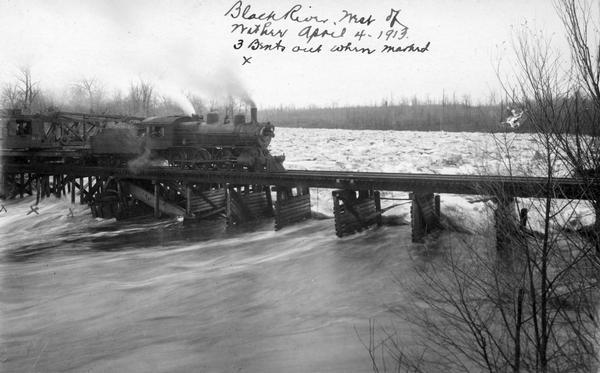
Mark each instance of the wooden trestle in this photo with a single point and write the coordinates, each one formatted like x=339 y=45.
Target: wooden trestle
x=241 y=197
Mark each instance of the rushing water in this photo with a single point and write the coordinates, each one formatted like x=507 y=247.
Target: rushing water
x=80 y=294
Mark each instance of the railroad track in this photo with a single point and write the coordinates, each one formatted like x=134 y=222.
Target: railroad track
x=434 y=183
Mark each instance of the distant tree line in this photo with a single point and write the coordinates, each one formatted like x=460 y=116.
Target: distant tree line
x=413 y=115
x=89 y=95
x=416 y=115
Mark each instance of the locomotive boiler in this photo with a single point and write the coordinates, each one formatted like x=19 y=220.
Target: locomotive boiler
x=190 y=142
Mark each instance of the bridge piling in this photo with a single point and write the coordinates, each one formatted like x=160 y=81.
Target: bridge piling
x=424 y=213
x=291 y=207
x=245 y=203
x=355 y=210
x=156 y=199
x=188 y=200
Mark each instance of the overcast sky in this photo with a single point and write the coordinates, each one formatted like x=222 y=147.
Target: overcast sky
x=188 y=46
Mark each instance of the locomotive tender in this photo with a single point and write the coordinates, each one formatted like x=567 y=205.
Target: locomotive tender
x=176 y=141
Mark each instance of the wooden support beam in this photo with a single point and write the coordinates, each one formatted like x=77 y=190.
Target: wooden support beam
x=188 y=200
x=156 y=199
x=21 y=184
x=56 y=179
x=246 y=203
x=267 y=190
x=523 y=218
x=228 y=210
x=153 y=200
x=81 y=190
x=3 y=186
x=72 y=190
x=424 y=215
x=377 y=200
x=38 y=194
x=355 y=210
x=291 y=209
x=92 y=190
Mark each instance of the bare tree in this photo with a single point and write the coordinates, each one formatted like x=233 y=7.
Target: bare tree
x=24 y=93
x=28 y=89
x=141 y=96
x=526 y=300
x=11 y=98
x=92 y=89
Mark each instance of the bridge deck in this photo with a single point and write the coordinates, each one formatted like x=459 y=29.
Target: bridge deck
x=432 y=183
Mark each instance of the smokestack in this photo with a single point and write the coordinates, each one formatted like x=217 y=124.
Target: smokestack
x=253 y=115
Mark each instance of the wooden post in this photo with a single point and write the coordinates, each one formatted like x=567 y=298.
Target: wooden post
x=89 y=196
x=3 y=189
x=156 y=199
x=377 y=201
x=47 y=189
x=72 y=187
x=424 y=215
x=188 y=199
x=269 y=208
x=523 y=218
x=56 y=186
x=119 y=190
x=38 y=194
x=81 y=189
x=22 y=184
x=228 y=211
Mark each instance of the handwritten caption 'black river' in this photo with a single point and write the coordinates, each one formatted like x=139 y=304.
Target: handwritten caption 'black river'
x=299 y=29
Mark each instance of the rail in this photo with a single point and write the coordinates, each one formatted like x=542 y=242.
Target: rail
x=453 y=184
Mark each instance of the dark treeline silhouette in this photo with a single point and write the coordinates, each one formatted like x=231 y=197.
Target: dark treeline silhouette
x=88 y=95
x=415 y=116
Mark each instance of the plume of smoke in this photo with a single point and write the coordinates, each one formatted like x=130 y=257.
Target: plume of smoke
x=176 y=95
x=140 y=44
x=222 y=83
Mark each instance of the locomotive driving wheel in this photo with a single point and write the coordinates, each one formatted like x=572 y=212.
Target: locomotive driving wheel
x=225 y=159
x=200 y=159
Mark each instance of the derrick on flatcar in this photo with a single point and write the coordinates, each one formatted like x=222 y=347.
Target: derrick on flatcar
x=53 y=136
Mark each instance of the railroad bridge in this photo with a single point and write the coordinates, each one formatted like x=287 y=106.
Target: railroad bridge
x=114 y=192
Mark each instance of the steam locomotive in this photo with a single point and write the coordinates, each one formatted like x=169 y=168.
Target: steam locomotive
x=186 y=142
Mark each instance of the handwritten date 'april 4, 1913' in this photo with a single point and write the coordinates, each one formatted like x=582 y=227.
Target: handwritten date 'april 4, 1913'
x=301 y=29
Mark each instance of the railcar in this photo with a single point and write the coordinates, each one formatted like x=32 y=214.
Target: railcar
x=53 y=136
